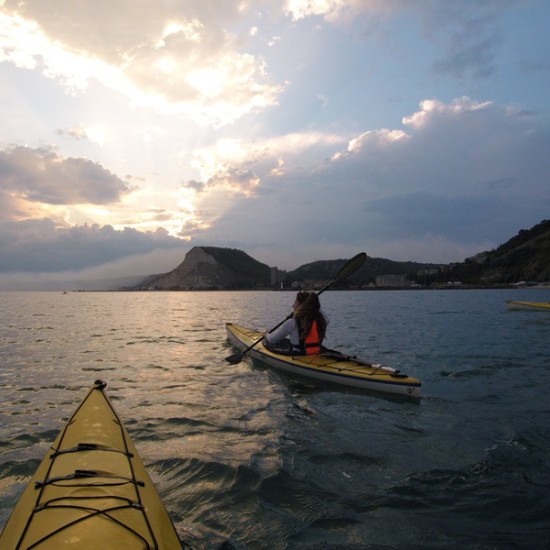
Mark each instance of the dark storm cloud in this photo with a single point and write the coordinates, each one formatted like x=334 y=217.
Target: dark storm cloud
x=39 y=246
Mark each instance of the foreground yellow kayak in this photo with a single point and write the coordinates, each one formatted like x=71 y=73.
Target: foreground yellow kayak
x=328 y=366
x=91 y=491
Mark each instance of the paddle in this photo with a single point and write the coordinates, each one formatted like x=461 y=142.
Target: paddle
x=351 y=266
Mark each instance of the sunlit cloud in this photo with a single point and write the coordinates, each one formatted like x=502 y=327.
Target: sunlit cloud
x=180 y=72
x=94 y=134
x=430 y=108
x=239 y=165
x=77 y=133
x=342 y=10
x=380 y=137
x=190 y=29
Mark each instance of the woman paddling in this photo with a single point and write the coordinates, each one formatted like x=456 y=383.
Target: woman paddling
x=304 y=332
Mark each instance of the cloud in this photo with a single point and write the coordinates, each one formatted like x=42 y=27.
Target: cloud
x=465 y=173
x=41 y=246
x=468 y=32
x=473 y=36
x=415 y=213
x=75 y=133
x=172 y=57
x=193 y=184
x=124 y=271
x=193 y=118
x=237 y=164
x=42 y=176
x=342 y=11
x=453 y=179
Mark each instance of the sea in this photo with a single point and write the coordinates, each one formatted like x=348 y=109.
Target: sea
x=246 y=457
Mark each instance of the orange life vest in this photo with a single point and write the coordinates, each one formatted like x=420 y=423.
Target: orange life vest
x=312 y=343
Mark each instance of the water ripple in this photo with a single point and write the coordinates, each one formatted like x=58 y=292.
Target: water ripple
x=247 y=456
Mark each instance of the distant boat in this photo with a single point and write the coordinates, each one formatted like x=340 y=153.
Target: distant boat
x=531 y=306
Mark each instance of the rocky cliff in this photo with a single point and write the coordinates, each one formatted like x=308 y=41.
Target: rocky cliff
x=209 y=268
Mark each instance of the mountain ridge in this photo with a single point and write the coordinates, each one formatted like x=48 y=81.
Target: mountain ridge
x=211 y=268
x=524 y=257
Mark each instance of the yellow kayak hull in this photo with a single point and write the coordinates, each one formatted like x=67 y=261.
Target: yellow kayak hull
x=530 y=306
x=91 y=491
x=329 y=366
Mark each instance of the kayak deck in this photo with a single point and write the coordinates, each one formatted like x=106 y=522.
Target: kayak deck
x=91 y=490
x=331 y=366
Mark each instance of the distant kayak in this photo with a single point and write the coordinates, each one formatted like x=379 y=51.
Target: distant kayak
x=91 y=491
x=532 y=306
x=329 y=366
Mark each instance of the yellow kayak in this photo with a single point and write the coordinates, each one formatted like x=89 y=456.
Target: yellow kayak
x=328 y=366
x=530 y=306
x=91 y=491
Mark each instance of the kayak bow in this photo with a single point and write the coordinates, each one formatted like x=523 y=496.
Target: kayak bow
x=91 y=491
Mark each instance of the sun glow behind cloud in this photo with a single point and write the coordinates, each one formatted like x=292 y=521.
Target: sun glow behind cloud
x=26 y=46
x=190 y=29
x=96 y=134
x=168 y=78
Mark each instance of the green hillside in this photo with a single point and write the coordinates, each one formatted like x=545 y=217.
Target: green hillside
x=326 y=270
x=525 y=257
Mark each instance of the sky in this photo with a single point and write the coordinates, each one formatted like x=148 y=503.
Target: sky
x=294 y=130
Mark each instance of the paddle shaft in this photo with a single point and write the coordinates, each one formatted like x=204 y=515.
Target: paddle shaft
x=349 y=267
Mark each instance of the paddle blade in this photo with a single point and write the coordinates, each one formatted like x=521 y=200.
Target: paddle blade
x=352 y=266
x=235 y=358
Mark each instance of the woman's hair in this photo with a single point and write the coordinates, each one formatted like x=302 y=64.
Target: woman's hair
x=307 y=311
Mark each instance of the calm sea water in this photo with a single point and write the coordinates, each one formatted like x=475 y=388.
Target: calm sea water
x=243 y=454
